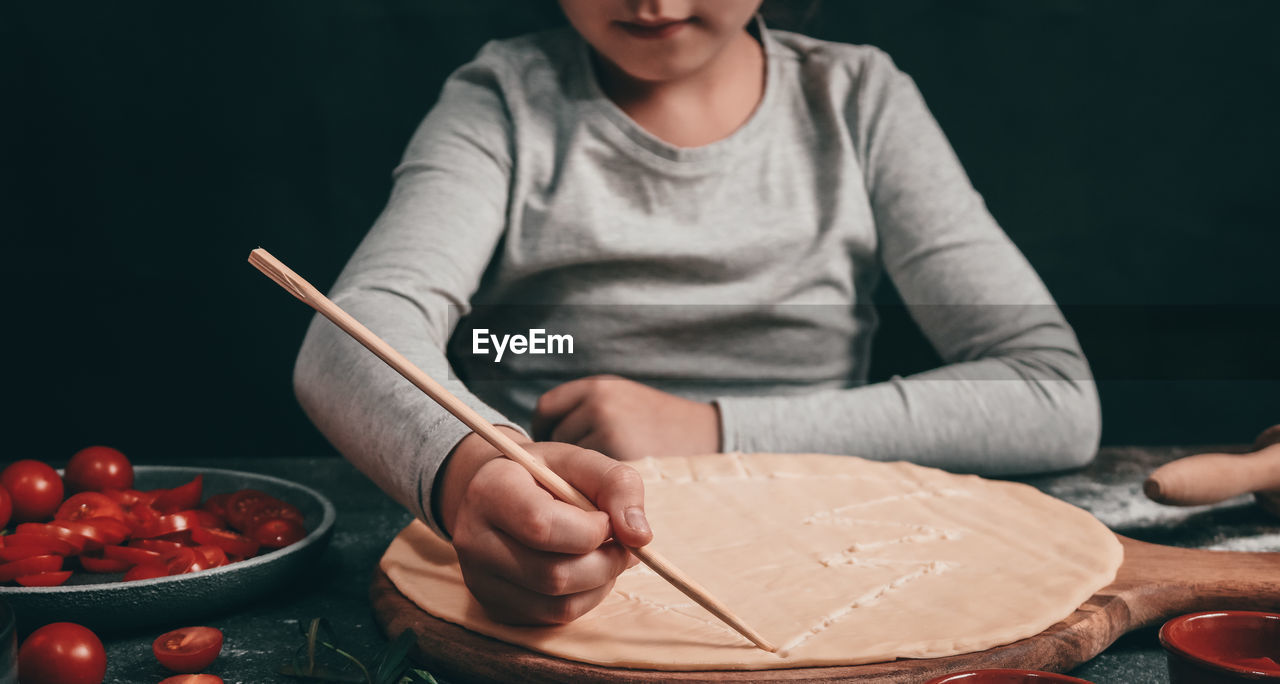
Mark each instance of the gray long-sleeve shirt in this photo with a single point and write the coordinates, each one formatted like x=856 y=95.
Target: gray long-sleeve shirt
x=739 y=272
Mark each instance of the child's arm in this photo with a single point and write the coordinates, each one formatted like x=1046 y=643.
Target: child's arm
x=525 y=556
x=1017 y=394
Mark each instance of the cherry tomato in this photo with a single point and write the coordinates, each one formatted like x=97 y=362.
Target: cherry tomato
x=169 y=524
x=193 y=679
x=269 y=510
x=125 y=497
x=89 y=505
x=214 y=557
x=111 y=526
x=8 y=554
x=217 y=504
x=44 y=579
x=146 y=571
x=278 y=532
x=189 y=649
x=234 y=544
x=46 y=544
x=160 y=546
x=36 y=489
x=99 y=564
x=62 y=653
x=30 y=566
x=180 y=561
x=208 y=519
x=6 y=507
x=180 y=498
x=242 y=504
x=94 y=537
x=142 y=515
x=130 y=555
x=96 y=468
x=60 y=533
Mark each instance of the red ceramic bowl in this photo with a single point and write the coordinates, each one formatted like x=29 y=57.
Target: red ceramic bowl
x=1006 y=677
x=1223 y=646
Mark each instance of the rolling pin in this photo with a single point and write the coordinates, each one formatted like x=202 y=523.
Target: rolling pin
x=1210 y=478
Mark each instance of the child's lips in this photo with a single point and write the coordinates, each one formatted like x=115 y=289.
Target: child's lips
x=655 y=29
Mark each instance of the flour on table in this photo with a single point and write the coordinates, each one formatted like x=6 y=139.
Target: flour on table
x=837 y=559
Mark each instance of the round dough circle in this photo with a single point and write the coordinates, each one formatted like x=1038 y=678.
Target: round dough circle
x=837 y=559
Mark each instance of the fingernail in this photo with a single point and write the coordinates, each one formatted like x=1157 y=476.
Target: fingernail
x=636 y=520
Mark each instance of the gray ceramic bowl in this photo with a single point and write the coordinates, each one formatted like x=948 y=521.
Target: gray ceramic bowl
x=105 y=604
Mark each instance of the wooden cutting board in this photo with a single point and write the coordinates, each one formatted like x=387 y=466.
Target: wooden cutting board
x=1153 y=584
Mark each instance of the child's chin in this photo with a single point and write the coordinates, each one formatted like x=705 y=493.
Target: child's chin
x=660 y=66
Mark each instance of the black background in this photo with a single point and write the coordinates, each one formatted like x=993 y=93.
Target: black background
x=1128 y=147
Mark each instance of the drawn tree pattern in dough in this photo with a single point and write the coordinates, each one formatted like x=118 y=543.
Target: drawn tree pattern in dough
x=846 y=516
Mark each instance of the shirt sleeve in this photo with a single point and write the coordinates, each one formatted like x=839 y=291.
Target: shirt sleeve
x=426 y=252
x=1015 y=395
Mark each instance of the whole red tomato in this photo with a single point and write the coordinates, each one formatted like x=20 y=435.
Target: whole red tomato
x=36 y=490
x=62 y=653
x=96 y=468
x=6 y=507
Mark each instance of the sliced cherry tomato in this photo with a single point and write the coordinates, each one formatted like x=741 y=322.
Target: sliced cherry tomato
x=132 y=556
x=160 y=546
x=95 y=537
x=189 y=649
x=146 y=571
x=182 y=538
x=234 y=544
x=30 y=566
x=193 y=679
x=214 y=556
x=35 y=488
x=6 y=510
x=213 y=520
x=44 y=579
x=269 y=510
x=179 y=561
x=278 y=532
x=168 y=524
x=98 y=564
x=62 y=533
x=45 y=543
x=96 y=468
x=242 y=504
x=113 y=527
x=180 y=498
x=217 y=504
x=8 y=554
x=124 y=497
x=144 y=515
x=89 y=505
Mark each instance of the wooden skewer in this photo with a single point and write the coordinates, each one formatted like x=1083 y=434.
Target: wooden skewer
x=300 y=288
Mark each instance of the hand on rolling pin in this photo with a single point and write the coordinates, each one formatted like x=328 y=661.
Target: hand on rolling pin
x=626 y=419
x=527 y=557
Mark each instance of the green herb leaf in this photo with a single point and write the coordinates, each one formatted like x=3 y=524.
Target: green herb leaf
x=391 y=665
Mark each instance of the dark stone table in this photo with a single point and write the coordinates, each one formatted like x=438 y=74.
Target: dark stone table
x=260 y=639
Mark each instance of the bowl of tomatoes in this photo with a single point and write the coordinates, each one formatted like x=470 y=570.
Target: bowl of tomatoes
x=126 y=548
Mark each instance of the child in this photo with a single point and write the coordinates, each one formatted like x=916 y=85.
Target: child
x=678 y=156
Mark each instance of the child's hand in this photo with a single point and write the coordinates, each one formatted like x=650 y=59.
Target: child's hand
x=626 y=419
x=527 y=557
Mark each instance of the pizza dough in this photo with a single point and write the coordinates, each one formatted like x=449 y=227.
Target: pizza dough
x=836 y=559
